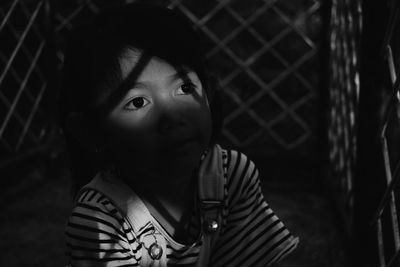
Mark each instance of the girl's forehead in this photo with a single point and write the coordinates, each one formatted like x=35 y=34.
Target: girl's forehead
x=128 y=60
x=155 y=68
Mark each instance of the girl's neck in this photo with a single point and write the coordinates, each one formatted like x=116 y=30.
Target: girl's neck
x=165 y=187
x=169 y=198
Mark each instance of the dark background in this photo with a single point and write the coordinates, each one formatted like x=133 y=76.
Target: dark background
x=310 y=94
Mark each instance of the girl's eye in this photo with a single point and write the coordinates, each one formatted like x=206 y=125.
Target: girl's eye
x=186 y=88
x=137 y=103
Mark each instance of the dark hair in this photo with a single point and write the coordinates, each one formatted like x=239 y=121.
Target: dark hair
x=92 y=73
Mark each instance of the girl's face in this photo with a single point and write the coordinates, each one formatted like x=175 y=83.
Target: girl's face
x=163 y=123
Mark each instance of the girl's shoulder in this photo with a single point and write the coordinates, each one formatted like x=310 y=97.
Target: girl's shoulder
x=92 y=201
x=93 y=212
x=235 y=160
x=240 y=174
x=238 y=167
x=96 y=232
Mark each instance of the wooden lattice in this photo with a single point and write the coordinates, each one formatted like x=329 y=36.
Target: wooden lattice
x=23 y=125
x=386 y=219
x=343 y=98
x=261 y=51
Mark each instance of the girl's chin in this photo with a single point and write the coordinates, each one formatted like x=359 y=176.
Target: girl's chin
x=172 y=159
x=186 y=156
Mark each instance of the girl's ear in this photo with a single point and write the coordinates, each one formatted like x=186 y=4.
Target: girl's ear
x=83 y=131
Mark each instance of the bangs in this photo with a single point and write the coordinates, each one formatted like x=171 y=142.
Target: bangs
x=116 y=86
x=93 y=58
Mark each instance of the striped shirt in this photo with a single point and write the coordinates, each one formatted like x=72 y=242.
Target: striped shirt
x=97 y=234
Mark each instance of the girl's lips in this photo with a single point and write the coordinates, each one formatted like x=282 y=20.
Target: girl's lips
x=184 y=141
x=183 y=144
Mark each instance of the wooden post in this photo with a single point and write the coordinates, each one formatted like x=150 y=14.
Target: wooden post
x=369 y=179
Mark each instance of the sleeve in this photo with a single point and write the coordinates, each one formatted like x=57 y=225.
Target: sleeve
x=253 y=235
x=95 y=236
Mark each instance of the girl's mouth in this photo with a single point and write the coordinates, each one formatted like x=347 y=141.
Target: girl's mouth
x=183 y=145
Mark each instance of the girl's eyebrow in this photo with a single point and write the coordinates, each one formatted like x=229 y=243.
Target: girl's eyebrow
x=180 y=74
x=130 y=80
x=115 y=96
x=137 y=85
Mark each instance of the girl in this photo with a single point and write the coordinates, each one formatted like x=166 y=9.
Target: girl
x=141 y=117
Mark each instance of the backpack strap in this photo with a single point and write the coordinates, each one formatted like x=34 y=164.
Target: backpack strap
x=131 y=206
x=211 y=195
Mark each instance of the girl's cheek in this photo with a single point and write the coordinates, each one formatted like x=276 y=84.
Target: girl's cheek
x=128 y=137
x=124 y=119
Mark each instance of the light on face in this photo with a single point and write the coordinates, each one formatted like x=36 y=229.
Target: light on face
x=161 y=95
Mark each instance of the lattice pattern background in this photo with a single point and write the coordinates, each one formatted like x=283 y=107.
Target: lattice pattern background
x=23 y=123
x=386 y=222
x=265 y=56
x=343 y=98
x=264 y=53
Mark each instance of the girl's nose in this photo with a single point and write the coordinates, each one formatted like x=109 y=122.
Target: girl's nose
x=171 y=119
